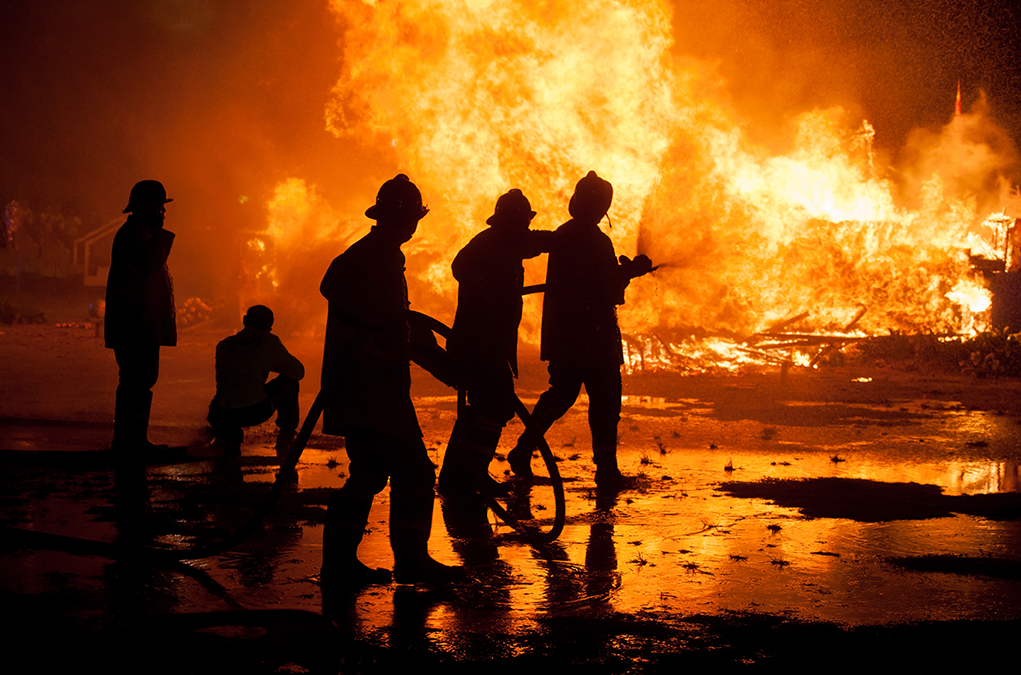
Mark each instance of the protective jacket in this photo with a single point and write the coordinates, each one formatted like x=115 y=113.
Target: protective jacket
x=584 y=285
x=139 y=291
x=366 y=373
x=490 y=279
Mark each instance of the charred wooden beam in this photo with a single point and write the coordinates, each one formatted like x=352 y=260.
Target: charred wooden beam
x=813 y=338
x=775 y=328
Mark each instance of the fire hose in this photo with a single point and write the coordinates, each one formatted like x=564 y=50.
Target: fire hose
x=79 y=546
x=482 y=486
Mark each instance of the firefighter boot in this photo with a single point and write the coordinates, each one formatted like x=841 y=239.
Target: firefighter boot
x=346 y=518
x=520 y=457
x=608 y=476
x=455 y=477
x=411 y=510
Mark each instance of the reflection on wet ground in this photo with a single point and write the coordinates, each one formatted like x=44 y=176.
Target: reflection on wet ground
x=702 y=536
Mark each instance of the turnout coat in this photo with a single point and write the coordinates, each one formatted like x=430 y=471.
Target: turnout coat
x=366 y=370
x=584 y=285
x=139 y=291
x=490 y=279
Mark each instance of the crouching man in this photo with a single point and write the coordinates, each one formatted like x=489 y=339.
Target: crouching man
x=243 y=396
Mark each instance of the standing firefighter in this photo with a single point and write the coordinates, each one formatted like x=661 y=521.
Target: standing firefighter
x=140 y=314
x=490 y=279
x=585 y=282
x=367 y=385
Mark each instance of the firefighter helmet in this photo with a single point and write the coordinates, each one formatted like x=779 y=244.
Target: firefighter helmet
x=592 y=197
x=145 y=195
x=397 y=198
x=511 y=206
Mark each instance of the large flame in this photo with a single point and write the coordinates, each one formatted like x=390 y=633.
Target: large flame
x=474 y=97
x=282 y=265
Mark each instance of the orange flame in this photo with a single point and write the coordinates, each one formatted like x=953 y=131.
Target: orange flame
x=477 y=96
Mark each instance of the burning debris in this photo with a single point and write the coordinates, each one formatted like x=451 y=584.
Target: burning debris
x=475 y=100
x=749 y=221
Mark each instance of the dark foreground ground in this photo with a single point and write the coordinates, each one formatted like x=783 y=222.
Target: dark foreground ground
x=848 y=518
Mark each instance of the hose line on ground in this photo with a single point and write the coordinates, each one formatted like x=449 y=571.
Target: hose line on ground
x=481 y=485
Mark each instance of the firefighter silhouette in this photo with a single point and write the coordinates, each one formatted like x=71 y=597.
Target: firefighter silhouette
x=585 y=281
x=490 y=280
x=367 y=384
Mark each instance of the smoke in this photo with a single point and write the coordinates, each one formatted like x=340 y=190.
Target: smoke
x=896 y=64
x=971 y=154
x=220 y=100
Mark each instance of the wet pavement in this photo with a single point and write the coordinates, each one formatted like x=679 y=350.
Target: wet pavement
x=773 y=522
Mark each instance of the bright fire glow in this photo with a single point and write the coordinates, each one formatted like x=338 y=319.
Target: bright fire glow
x=478 y=96
x=282 y=266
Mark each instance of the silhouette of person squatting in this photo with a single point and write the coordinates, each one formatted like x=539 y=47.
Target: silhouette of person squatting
x=490 y=280
x=140 y=313
x=243 y=397
x=367 y=389
x=581 y=341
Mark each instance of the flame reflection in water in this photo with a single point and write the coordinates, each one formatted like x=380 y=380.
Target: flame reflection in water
x=680 y=545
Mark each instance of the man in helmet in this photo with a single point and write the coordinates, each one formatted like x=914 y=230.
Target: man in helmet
x=367 y=388
x=490 y=279
x=140 y=313
x=585 y=282
x=243 y=396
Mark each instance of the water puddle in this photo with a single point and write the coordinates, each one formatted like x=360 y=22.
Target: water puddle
x=685 y=542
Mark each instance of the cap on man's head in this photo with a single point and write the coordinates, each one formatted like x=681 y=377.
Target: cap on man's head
x=259 y=317
x=146 y=194
x=397 y=198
